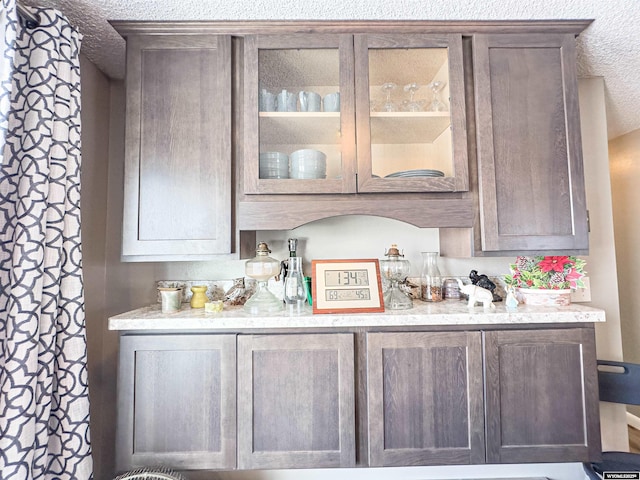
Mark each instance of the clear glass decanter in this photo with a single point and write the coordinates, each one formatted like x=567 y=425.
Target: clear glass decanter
x=430 y=279
x=395 y=269
x=295 y=294
x=262 y=267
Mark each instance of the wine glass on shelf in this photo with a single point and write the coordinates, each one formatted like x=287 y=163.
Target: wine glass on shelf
x=413 y=105
x=437 y=105
x=388 y=105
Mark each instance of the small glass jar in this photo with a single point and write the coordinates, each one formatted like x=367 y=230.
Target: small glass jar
x=451 y=289
x=430 y=279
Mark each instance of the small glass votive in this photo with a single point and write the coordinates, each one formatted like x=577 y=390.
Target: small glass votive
x=215 y=306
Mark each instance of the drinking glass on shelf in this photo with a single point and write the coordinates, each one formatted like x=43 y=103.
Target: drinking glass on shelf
x=413 y=105
x=388 y=105
x=436 y=104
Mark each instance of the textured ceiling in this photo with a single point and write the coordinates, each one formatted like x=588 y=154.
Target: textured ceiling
x=609 y=48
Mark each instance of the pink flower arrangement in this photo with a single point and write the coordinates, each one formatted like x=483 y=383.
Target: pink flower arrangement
x=550 y=272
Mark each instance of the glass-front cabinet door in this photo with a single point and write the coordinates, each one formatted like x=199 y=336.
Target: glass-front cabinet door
x=299 y=114
x=410 y=113
x=308 y=97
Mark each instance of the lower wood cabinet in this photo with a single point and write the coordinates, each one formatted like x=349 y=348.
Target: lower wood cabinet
x=177 y=401
x=296 y=401
x=541 y=396
x=425 y=398
x=426 y=404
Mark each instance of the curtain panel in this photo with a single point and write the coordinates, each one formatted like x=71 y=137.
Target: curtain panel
x=44 y=403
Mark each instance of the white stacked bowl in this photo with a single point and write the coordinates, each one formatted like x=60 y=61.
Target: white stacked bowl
x=274 y=165
x=308 y=164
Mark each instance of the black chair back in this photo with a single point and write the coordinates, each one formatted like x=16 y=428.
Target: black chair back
x=619 y=382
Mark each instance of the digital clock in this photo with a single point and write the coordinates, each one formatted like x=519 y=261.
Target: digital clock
x=349 y=286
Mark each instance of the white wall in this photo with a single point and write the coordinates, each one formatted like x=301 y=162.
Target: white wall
x=624 y=155
x=95 y=122
x=601 y=262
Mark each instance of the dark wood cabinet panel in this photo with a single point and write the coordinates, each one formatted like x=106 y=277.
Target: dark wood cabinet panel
x=515 y=181
x=296 y=401
x=177 y=401
x=530 y=171
x=541 y=396
x=178 y=146
x=425 y=398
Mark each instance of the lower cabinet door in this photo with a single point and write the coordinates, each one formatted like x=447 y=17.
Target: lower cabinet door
x=177 y=402
x=541 y=396
x=425 y=398
x=296 y=401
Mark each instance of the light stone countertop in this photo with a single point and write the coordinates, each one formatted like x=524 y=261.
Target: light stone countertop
x=448 y=312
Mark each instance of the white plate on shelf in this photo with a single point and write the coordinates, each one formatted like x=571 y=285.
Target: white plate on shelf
x=416 y=173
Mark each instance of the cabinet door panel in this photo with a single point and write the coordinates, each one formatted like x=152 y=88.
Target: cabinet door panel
x=425 y=398
x=178 y=161
x=177 y=401
x=396 y=135
x=294 y=63
x=542 y=400
x=296 y=395
x=529 y=148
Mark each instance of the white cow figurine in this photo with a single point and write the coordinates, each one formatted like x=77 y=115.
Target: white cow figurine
x=477 y=294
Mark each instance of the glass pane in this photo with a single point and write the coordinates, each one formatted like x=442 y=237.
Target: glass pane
x=410 y=119
x=299 y=113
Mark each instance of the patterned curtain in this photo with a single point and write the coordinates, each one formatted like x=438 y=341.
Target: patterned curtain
x=8 y=27
x=44 y=402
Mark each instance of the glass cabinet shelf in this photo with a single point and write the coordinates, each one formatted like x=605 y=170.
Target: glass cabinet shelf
x=408 y=127
x=299 y=128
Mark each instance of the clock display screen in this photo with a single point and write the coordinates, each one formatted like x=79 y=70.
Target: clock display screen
x=346 y=278
x=345 y=294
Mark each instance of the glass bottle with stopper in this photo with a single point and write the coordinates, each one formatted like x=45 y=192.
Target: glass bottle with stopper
x=284 y=265
x=262 y=267
x=395 y=269
x=295 y=293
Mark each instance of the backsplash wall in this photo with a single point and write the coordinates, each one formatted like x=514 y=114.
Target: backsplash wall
x=354 y=236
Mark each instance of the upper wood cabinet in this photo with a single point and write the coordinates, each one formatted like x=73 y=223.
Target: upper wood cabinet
x=282 y=66
x=531 y=179
x=177 y=191
x=410 y=113
x=470 y=127
x=401 y=96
